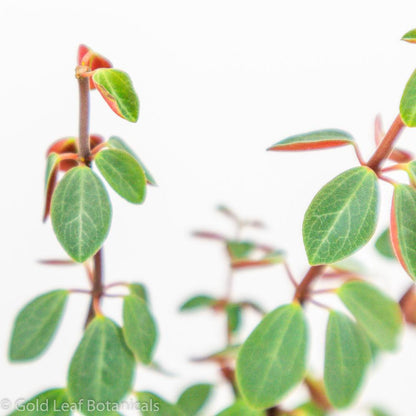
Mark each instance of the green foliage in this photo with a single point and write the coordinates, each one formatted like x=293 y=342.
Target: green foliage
x=240 y=249
x=319 y=139
x=51 y=165
x=47 y=403
x=81 y=213
x=347 y=355
x=277 y=346
x=117 y=90
x=139 y=328
x=102 y=367
x=309 y=409
x=139 y=290
x=197 y=302
x=151 y=404
x=123 y=173
x=377 y=411
x=194 y=398
x=408 y=102
x=383 y=245
x=233 y=311
x=239 y=408
x=117 y=143
x=342 y=216
x=410 y=36
x=36 y=325
x=403 y=224
x=378 y=314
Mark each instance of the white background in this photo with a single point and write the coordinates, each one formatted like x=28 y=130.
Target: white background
x=219 y=81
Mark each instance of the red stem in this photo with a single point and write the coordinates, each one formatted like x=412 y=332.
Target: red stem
x=386 y=145
x=302 y=290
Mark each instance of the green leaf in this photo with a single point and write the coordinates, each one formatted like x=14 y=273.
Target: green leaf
x=408 y=102
x=410 y=36
x=378 y=314
x=233 y=311
x=197 y=302
x=81 y=213
x=51 y=173
x=377 y=411
x=239 y=408
x=383 y=245
x=342 y=216
x=139 y=290
x=139 y=328
x=309 y=409
x=194 y=398
x=277 y=346
x=403 y=226
x=47 y=403
x=150 y=404
x=347 y=355
x=117 y=143
x=240 y=249
x=102 y=367
x=117 y=90
x=319 y=139
x=36 y=325
x=123 y=173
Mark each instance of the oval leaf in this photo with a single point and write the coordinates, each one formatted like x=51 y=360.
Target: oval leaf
x=197 y=302
x=47 y=403
x=36 y=325
x=117 y=90
x=233 y=311
x=342 y=216
x=410 y=36
x=403 y=226
x=123 y=173
x=139 y=290
x=117 y=143
x=383 y=245
x=239 y=408
x=347 y=355
x=408 y=102
x=102 y=367
x=378 y=315
x=81 y=213
x=139 y=328
x=276 y=347
x=150 y=404
x=319 y=139
x=194 y=398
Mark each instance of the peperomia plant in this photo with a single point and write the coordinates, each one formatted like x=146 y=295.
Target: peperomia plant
x=101 y=372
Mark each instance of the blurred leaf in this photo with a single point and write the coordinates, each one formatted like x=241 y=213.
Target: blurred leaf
x=194 y=398
x=276 y=346
x=52 y=164
x=378 y=314
x=151 y=404
x=403 y=224
x=139 y=290
x=408 y=305
x=240 y=249
x=320 y=139
x=117 y=143
x=36 y=324
x=410 y=36
x=377 y=411
x=209 y=235
x=239 y=408
x=47 y=403
x=139 y=329
x=347 y=355
x=102 y=367
x=81 y=213
x=308 y=409
x=200 y=301
x=408 y=102
x=123 y=173
x=384 y=246
x=270 y=259
x=117 y=90
x=342 y=216
x=228 y=353
x=233 y=311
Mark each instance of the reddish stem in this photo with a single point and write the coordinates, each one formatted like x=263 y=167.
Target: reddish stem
x=386 y=146
x=302 y=290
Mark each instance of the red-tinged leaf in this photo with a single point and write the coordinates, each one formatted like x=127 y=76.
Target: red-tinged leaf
x=408 y=306
x=65 y=145
x=209 y=235
x=403 y=226
x=320 y=139
x=268 y=260
x=87 y=57
x=57 y=262
x=52 y=165
x=410 y=36
x=117 y=90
